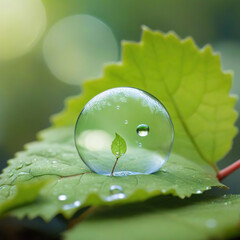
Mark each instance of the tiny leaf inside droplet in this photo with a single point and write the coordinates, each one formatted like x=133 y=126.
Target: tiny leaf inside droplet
x=118 y=146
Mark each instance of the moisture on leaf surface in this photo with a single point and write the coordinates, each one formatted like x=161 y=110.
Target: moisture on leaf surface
x=188 y=81
x=165 y=218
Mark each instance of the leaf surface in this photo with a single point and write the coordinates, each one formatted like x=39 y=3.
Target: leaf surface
x=164 y=218
x=55 y=159
x=188 y=81
x=195 y=91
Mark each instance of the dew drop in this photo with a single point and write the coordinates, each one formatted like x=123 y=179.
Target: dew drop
x=142 y=130
x=71 y=205
x=198 y=192
x=115 y=189
x=211 y=223
x=28 y=162
x=116 y=193
x=19 y=166
x=62 y=197
x=96 y=127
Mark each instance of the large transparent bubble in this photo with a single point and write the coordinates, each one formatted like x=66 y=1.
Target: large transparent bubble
x=139 y=118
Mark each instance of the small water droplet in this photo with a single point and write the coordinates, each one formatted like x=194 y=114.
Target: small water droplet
x=198 y=192
x=140 y=145
x=117 y=153
x=28 y=162
x=23 y=173
x=118 y=107
x=164 y=170
x=207 y=188
x=115 y=188
x=19 y=166
x=62 y=197
x=117 y=193
x=126 y=122
x=226 y=203
x=211 y=223
x=53 y=162
x=142 y=130
x=164 y=191
x=71 y=206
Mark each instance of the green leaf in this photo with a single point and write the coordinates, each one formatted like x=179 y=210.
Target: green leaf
x=55 y=158
x=24 y=193
x=195 y=91
x=118 y=146
x=164 y=218
x=188 y=81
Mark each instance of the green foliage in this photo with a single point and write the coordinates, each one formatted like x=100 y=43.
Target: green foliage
x=24 y=193
x=118 y=146
x=55 y=159
x=188 y=81
x=165 y=218
x=195 y=91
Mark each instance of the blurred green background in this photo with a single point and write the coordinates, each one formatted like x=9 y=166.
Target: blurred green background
x=43 y=53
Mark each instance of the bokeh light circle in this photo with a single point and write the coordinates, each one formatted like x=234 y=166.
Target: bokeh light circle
x=22 y=23
x=77 y=47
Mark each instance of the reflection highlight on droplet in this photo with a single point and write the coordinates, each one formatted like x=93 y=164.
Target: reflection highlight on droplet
x=95 y=140
x=77 y=47
x=22 y=23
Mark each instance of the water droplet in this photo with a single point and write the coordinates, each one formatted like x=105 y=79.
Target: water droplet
x=62 y=197
x=99 y=121
x=211 y=223
x=54 y=162
x=71 y=205
x=207 y=188
x=28 y=162
x=19 y=166
x=126 y=122
x=164 y=191
x=115 y=188
x=117 y=193
x=198 y=192
x=23 y=173
x=118 y=107
x=226 y=203
x=142 y=130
